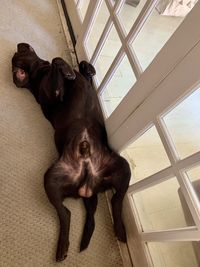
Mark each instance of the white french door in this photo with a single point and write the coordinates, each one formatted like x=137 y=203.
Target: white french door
x=148 y=82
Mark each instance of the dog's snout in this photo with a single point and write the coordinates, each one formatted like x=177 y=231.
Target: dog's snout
x=24 y=47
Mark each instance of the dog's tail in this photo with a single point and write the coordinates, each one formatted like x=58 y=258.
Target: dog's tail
x=84 y=149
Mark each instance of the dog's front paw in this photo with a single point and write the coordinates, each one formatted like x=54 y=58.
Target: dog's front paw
x=87 y=69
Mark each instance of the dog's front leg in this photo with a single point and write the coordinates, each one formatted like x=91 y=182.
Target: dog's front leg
x=54 y=193
x=90 y=206
x=87 y=70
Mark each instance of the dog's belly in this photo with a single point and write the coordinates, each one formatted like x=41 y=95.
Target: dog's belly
x=83 y=175
x=83 y=163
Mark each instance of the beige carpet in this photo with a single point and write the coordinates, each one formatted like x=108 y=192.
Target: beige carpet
x=28 y=223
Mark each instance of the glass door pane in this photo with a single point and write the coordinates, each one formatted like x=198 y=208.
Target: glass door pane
x=83 y=6
x=107 y=54
x=121 y=82
x=129 y=13
x=194 y=176
x=146 y=155
x=153 y=35
x=175 y=254
x=160 y=207
x=183 y=123
x=97 y=28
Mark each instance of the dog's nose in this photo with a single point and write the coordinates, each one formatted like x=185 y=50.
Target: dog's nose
x=22 y=47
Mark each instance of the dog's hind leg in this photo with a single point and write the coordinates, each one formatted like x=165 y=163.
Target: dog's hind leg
x=90 y=205
x=54 y=194
x=120 y=181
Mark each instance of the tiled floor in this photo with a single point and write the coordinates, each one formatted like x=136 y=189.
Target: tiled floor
x=159 y=207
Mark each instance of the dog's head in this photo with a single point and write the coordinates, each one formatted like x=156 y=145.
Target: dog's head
x=24 y=62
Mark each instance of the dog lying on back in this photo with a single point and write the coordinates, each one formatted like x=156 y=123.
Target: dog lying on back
x=86 y=164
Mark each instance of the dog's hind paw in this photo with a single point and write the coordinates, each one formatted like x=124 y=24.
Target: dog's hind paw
x=84 y=245
x=61 y=253
x=61 y=258
x=121 y=234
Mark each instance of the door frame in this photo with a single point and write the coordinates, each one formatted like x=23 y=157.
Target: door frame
x=135 y=113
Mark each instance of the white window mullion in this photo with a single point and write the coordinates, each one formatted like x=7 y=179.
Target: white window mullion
x=189 y=195
x=101 y=41
x=79 y=3
x=189 y=162
x=143 y=16
x=118 y=5
x=134 y=62
x=182 y=234
x=187 y=189
x=152 y=180
x=84 y=29
x=116 y=22
x=89 y=19
x=166 y=140
x=165 y=174
x=111 y=70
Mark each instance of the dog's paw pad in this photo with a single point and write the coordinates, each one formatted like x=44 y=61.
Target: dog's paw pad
x=61 y=257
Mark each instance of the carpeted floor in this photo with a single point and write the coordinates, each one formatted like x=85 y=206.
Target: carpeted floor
x=28 y=223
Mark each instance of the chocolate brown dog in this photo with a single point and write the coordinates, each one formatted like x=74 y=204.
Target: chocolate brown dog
x=86 y=164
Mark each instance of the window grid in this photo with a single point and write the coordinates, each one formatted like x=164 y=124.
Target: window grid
x=125 y=40
x=89 y=19
x=190 y=233
x=116 y=62
x=79 y=3
x=176 y=169
x=114 y=20
x=141 y=19
x=101 y=42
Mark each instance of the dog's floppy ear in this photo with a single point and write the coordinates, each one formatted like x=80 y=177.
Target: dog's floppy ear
x=60 y=71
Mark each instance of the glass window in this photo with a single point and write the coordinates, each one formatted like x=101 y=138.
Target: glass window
x=129 y=13
x=160 y=207
x=154 y=34
x=146 y=155
x=97 y=28
x=183 y=123
x=107 y=55
x=194 y=176
x=119 y=85
x=175 y=254
x=83 y=8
